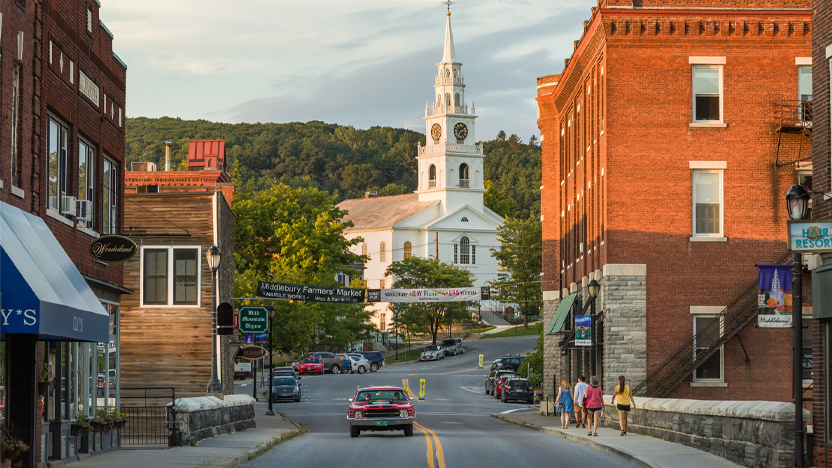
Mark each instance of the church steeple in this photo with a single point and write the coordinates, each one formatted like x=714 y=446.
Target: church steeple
x=450 y=54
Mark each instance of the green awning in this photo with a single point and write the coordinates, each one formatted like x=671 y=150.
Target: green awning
x=560 y=316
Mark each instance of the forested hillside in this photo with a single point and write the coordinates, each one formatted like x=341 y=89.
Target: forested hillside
x=339 y=159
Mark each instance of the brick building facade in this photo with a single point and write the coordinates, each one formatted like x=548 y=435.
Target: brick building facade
x=669 y=141
x=63 y=92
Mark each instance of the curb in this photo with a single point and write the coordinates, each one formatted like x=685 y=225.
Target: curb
x=267 y=445
x=625 y=454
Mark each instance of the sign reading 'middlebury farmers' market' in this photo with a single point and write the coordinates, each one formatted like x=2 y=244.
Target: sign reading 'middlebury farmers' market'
x=300 y=292
x=810 y=236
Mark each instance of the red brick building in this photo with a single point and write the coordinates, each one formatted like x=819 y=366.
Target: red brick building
x=63 y=92
x=669 y=142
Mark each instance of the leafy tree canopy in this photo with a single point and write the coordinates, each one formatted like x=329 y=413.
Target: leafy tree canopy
x=521 y=262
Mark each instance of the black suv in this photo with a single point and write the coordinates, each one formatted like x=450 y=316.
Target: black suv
x=508 y=362
x=491 y=380
x=517 y=389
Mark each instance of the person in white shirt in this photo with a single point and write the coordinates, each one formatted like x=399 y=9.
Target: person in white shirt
x=580 y=391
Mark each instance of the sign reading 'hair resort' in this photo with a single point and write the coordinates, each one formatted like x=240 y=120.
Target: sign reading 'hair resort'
x=810 y=236
x=300 y=292
x=113 y=249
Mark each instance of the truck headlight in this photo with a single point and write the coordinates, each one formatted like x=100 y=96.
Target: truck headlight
x=358 y=415
x=403 y=413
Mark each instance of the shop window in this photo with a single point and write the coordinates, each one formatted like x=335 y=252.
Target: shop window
x=155 y=276
x=170 y=276
x=57 y=181
x=185 y=264
x=707 y=331
x=707 y=93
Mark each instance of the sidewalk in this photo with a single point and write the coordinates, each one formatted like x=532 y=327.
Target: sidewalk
x=642 y=451
x=223 y=451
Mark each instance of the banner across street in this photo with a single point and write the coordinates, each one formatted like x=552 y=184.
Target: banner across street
x=301 y=292
x=430 y=295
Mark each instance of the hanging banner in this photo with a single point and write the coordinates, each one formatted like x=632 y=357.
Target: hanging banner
x=430 y=295
x=774 y=298
x=299 y=292
x=583 y=330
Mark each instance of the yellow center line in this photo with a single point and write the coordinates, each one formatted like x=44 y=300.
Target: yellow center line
x=430 y=445
x=440 y=454
x=455 y=372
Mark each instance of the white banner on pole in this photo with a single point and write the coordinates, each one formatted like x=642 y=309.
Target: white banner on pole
x=429 y=295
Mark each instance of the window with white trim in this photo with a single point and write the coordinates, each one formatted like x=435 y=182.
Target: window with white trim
x=109 y=221
x=86 y=180
x=57 y=181
x=804 y=92
x=170 y=276
x=706 y=334
x=707 y=93
x=382 y=252
x=707 y=203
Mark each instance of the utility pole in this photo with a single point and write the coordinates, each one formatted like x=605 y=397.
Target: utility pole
x=436 y=244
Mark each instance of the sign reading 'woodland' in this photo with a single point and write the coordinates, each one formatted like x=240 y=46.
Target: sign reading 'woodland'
x=300 y=292
x=113 y=249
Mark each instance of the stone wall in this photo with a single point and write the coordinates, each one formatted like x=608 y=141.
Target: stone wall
x=202 y=417
x=551 y=352
x=750 y=433
x=623 y=299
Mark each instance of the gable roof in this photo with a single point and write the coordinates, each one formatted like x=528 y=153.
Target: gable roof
x=381 y=212
x=461 y=210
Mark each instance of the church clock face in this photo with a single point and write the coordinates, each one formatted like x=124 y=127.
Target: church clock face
x=460 y=131
x=436 y=131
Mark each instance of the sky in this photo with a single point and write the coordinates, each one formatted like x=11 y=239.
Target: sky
x=352 y=62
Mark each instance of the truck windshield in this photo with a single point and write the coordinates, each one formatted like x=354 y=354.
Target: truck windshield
x=381 y=395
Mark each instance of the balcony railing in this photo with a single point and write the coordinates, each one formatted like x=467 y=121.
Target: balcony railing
x=447 y=148
x=463 y=183
x=432 y=184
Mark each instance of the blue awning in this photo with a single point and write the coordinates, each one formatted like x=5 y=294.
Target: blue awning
x=42 y=291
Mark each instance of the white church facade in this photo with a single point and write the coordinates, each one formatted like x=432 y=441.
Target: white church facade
x=446 y=217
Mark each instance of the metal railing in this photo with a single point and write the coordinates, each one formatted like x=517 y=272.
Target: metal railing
x=148 y=420
x=463 y=183
x=796 y=113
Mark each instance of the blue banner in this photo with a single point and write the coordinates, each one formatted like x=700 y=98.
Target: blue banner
x=583 y=330
x=774 y=296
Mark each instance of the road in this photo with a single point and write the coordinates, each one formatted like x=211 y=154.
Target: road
x=456 y=427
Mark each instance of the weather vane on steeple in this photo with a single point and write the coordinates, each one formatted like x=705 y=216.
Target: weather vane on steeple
x=448 y=3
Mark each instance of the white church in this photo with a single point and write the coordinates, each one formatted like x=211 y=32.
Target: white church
x=445 y=218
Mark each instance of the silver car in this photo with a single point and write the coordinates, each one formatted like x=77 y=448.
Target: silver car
x=432 y=353
x=358 y=363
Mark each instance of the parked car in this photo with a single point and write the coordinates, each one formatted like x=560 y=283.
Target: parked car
x=432 y=353
x=285 y=371
x=500 y=383
x=380 y=409
x=285 y=388
x=346 y=364
x=492 y=378
x=331 y=362
x=517 y=389
x=358 y=363
x=453 y=346
x=310 y=366
x=507 y=362
x=375 y=358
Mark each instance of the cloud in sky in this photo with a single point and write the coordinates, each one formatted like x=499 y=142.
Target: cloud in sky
x=360 y=63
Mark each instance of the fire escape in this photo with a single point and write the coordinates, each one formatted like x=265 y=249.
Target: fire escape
x=795 y=119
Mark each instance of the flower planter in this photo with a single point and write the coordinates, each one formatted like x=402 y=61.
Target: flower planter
x=119 y=424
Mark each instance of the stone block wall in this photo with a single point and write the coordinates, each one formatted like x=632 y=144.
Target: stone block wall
x=551 y=352
x=750 y=433
x=202 y=417
x=623 y=299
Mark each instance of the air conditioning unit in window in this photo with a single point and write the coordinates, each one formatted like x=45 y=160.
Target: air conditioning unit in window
x=68 y=206
x=83 y=209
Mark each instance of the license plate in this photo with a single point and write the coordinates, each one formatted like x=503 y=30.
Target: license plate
x=285 y=394
x=381 y=423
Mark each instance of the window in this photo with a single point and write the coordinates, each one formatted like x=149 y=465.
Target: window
x=456 y=252
x=86 y=180
x=804 y=91
x=166 y=282
x=707 y=93
x=89 y=20
x=473 y=255
x=464 y=219
x=109 y=224
x=58 y=155
x=707 y=203
x=432 y=176
x=382 y=255
x=464 y=251
x=448 y=99
x=707 y=331
x=364 y=249
x=408 y=249
x=456 y=100
x=463 y=175
x=15 y=121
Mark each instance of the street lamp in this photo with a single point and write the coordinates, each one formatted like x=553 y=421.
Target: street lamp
x=396 y=331
x=797 y=202
x=593 y=288
x=214 y=258
x=270 y=412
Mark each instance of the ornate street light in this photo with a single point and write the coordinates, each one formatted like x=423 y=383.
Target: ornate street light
x=593 y=288
x=214 y=257
x=797 y=202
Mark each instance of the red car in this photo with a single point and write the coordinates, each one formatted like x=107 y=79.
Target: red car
x=498 y=386
x=381 y=409
x=310 y=366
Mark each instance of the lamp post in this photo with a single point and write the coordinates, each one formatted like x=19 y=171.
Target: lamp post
x=214 y=257
x=593 y=288
x=396 y=331
x=797 y=202
x=270 y=412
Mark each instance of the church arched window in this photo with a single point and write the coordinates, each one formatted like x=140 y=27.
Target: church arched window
x=408 y=249
x=463 y=175
x=456 y=100
x=382 y=252
x=364 y=249
x=464 y=219
x=432 y=176
x=448 y=99
x=464 y=251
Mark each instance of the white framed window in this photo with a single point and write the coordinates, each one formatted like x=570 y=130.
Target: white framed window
x=707 y=330
x=804 y=92
x=432 y=176
x=364 y=249
x=57 y=181
x=465 y=252
x=171 y=276
x=109 y=206
x=15 y=121
x=86 y=180
x=382 y=252
x=707 y=93
x=707 y=203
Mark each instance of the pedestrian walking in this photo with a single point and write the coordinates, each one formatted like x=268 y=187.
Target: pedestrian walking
x=621 y=398
x=564 y=403
x=580 y=411
x=594 y=404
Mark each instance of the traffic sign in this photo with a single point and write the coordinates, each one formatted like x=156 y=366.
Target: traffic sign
x=480 y=360
x=254 y=320
x=421 y=387
x=252 y=352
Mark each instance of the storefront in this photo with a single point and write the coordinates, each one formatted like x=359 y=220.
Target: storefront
x=60 y=342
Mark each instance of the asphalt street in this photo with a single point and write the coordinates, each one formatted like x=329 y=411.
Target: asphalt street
x=454 y=427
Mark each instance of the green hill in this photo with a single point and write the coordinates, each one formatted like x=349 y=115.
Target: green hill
x=339 y=159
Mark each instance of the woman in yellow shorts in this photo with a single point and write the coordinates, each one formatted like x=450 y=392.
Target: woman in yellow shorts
x=621 y=398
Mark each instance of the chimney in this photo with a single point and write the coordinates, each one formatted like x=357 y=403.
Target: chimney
x=370 y=194
x=167 y=155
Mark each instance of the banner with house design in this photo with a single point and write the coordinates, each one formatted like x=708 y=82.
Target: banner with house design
x=774 y=297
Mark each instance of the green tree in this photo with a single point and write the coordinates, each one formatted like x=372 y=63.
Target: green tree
x=294 y=236
x=521 y=261
x=497 y=202
x=414 y=273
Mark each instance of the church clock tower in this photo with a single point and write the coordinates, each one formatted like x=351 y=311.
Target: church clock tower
x=450 y=163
